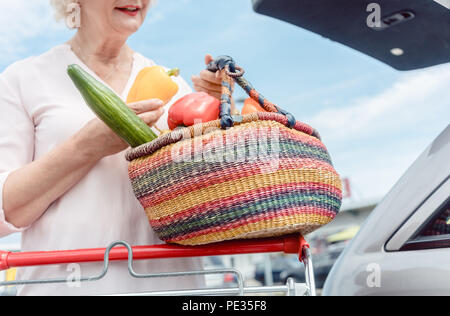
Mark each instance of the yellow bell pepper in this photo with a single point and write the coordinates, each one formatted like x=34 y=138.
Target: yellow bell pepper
x=154 y=83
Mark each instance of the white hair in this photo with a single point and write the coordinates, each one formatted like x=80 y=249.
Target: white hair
x=60 y=7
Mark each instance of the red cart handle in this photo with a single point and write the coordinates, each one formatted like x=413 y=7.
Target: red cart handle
x=292 y=244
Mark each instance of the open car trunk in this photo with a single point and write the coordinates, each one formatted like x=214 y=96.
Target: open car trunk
x=412 y=34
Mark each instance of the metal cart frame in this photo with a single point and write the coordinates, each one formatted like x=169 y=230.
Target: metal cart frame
x=121 y=251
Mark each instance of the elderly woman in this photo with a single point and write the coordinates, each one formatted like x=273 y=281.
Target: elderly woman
x=63 y=175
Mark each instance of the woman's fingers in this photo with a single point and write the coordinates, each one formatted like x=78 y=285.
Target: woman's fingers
x=214 y=94
x=211 y=77
x=208 y=59
x=149 y=110
x=150 y=118
x=214 y=87
x=146 y=106
x=208 y=81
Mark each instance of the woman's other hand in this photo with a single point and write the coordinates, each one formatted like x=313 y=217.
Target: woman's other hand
x=208 y=81
x=211 y=83
x=100 y=141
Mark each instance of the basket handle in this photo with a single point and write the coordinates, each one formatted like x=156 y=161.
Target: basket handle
x=233 y=73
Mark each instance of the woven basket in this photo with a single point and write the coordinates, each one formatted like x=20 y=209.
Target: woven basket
x=259 y=178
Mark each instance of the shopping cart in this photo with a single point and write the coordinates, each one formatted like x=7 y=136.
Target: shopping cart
x=122 y=251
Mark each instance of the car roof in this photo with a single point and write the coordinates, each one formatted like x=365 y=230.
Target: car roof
x=426 y=174
x=420 y=28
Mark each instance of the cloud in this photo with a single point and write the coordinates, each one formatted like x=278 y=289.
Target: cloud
x=375 y=139
x=23 y=21
x=417 y=97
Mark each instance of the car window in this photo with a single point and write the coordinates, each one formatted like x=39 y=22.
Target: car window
x=440 y=225
x=435 y=233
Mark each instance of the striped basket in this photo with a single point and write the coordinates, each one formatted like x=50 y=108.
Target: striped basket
x=262 y=177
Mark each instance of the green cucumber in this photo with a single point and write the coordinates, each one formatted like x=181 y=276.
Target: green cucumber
x=111 y=109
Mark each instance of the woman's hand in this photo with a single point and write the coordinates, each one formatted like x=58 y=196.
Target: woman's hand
x=207 y=81
x=29 y=191
x=210 y=83
x=100 y=141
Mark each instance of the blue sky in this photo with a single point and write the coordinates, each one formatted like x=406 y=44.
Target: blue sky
x=374 y=119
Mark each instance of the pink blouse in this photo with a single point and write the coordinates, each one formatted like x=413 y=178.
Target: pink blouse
x=39 y=109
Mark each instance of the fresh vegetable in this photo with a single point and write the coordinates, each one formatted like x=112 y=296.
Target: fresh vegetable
x=251 y=106
x=154 y=83
x=193 y=107
x=111 y=109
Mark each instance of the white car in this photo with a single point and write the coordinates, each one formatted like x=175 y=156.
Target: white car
x=404 y=246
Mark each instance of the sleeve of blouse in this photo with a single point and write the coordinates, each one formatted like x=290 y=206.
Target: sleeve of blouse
x=16 y=139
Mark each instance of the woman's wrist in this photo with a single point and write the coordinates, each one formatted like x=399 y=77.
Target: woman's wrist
x=86 y=149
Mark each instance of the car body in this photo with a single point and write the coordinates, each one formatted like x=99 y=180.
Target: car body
x=404 y=246
x=421 y=28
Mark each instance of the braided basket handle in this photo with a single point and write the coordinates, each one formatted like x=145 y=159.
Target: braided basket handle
x=232 y=73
